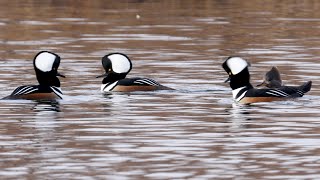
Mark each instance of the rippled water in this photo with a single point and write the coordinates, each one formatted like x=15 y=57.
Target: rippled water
x=193 y=132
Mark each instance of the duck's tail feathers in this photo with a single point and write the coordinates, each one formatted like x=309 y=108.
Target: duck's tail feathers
x=306 y=87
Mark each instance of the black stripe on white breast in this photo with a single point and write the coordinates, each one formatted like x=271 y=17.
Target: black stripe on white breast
x=57 y=91
x=277 y=93
x=23 y=90
x=146 y=81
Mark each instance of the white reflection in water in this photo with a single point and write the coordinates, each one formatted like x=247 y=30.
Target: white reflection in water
x=263 y=51
x=128 y=37
x=213 y=20
x=297 y=19
x=39 y=23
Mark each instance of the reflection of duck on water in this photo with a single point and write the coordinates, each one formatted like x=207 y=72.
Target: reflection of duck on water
x=272 y=79
x=240 y=114
x=46 y=105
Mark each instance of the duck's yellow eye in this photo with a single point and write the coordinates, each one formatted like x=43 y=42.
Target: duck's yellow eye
x=110 y=70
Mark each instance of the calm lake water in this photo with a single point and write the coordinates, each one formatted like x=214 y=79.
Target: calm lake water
x=193 y=132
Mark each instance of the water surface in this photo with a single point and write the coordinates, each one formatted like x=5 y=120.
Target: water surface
x=193 y=132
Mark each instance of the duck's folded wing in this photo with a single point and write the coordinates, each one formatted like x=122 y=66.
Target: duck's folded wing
x=138 y=82
x=282 y=92
x=146 y=81
x=23 y=90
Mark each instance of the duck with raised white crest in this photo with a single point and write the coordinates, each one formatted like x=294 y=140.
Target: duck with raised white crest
x=243 y=92
x=117 y=66
x=46 y=66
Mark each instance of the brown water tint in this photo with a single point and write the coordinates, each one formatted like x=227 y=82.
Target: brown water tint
x=194 y=132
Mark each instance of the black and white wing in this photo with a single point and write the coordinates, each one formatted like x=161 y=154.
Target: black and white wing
x=138 y=82
x=23 y=90
x=277 y=93
x=32 y=89
x=290 y=91
x=282 y=92
x=146 y=82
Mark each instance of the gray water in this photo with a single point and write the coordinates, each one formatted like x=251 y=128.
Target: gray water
x=193 y=132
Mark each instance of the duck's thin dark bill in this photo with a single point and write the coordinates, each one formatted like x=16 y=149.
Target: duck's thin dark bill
x=228 y=80
x=103 y=75
x=261 y=84
x=61 y=75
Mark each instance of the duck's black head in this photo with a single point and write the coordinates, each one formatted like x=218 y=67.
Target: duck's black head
x=237 y=69
x=46 y=66
x=116 y=66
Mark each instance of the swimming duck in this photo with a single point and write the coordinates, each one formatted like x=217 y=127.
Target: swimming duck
x=117 y=66
x=46 y=66
x=243 y=91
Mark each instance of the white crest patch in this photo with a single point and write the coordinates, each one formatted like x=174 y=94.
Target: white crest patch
x=44 y=61
x=120 y=63
x=236 y=64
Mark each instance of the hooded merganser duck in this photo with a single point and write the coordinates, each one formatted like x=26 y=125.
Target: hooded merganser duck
x=117 y=66
x=272 y=79
x=243 y=91
x=46 y=66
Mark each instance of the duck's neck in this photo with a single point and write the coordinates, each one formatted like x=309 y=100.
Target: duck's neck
x=113 y=77
x=48 y=79
x=241 y=80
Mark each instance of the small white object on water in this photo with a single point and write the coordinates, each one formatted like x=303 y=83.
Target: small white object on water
x=138 y=16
